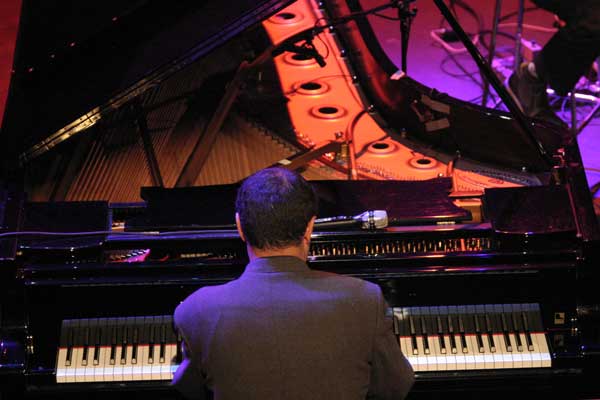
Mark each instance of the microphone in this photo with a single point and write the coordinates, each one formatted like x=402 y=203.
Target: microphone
x=371 y=220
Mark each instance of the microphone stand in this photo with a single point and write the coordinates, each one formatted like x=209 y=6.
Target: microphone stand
x=195 y=161
x=523 y=123
x=405 y=15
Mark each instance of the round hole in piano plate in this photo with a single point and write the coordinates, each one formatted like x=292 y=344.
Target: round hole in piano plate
x=423 y=162
x=328 y=111
x=311 y=88
x=299 y=60
x=286 y=18
x=381 y=148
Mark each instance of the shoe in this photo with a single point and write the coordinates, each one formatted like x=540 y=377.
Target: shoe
x=530 y=95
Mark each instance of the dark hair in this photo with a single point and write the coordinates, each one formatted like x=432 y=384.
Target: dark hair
x=275 y=206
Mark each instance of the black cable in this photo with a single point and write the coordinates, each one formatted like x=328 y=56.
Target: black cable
x=486 y=32
x=512 y=14
x=386 y=17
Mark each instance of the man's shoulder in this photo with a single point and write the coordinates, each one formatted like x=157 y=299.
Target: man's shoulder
x=348 y=282
x=203 y=299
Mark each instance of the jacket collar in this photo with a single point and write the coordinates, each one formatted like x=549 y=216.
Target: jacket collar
x=276 y=264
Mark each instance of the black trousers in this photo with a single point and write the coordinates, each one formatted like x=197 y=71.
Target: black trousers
x=571 y=51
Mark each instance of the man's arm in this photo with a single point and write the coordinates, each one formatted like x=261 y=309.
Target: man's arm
x=391 y=374
x=188 y=379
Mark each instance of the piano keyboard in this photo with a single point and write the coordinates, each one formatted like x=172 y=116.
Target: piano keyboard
x=472 y=337
x=443 y=338
x=118 y=349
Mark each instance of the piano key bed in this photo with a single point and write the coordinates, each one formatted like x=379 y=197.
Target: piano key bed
x=442 y=338
x=118 y=349
x=472 y=337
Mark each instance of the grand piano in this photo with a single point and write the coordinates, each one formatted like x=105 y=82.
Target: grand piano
x=129 y=126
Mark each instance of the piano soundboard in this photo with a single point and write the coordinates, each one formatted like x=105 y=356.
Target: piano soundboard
x=443 y=338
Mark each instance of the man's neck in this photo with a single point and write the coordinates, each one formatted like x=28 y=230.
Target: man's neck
x=292 y=251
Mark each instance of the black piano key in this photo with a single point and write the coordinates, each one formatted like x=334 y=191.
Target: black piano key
x=425 y=334
x=144 y=333
x=490 y=326
x=440 y=332
x=517 y=331
x=403 y=328
x=114 y=332
x=478 y=334
x=171 y=335
x=179 y=356
x=535 y=318
x=134 y=344
x=493 y=312
x=505 y=332
x=85 y=335
x=451 y=334
x=97 y=340
x=70 y=326
x=526 y=330
x=461 y=330
x=413 y=334
x=151 y=342
x=124 y=339
x=163 y=342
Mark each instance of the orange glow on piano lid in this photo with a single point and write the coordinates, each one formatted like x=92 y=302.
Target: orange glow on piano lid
x=286 y=18
x=310 y=88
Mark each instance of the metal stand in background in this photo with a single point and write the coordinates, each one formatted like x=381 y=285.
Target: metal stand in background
x=523 y=123
x=405 y=15
x=587 y=118
x=492 y=53
x=519 y=35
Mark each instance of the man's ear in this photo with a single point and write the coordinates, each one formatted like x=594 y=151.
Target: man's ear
x=238 y=224
x=309 y=228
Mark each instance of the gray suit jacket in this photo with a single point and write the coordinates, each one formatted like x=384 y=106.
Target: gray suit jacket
x=284 y=331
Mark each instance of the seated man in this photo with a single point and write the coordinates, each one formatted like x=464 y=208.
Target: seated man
x=563 y=60
x=282 y=330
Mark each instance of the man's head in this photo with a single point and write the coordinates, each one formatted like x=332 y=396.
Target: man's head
x=273 y=209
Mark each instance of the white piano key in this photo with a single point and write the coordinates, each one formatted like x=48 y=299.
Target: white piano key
x=439 y=360
x=461 y=359
x=500 y=354
x=156 y=364
x=128 y=367
x=71 y=370
x=516 y=354
x=143 y=370
x=61 y=367
x=166 y=370
x=507 y=358
x=118 y=366
x=527 y=356
x=488 y=356
x=174 y=363
x=450 y=357
x=104 y=371
x=543 y=351
x=478 y=357
x=470 y=354
x=81 y=364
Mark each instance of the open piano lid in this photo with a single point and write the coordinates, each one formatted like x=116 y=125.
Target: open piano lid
x=76 y=61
